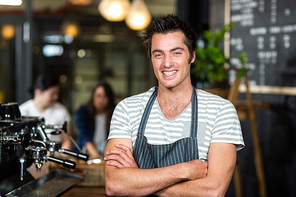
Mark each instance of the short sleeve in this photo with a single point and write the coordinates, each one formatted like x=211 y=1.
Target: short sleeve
x=227 y=126
x=67 y=115
x=120 y=122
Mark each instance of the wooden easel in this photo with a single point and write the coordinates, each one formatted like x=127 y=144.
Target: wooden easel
x=246 y=111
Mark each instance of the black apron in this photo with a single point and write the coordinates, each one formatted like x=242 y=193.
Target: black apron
x=149 y=156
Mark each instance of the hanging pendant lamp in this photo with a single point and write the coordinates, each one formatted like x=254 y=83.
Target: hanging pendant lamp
x=8 y=31
x=71 y=28
x=114 y=10
x=138 y=16
x=80 y=2
x=11 y=2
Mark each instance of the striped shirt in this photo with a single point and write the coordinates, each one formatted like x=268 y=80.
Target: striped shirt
x=217 y=122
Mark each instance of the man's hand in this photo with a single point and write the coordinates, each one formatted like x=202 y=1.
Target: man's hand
x=195 y=169
x=121 y=157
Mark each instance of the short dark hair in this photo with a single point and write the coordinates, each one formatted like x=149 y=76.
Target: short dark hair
x=43 y=82
x=169 y=24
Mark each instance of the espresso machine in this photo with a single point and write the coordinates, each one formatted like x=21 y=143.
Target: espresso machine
x=23 y=142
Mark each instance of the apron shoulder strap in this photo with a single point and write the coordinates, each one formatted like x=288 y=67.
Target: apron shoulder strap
x=194 y=113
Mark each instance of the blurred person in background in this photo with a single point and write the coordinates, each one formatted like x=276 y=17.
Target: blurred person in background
x=45 y=94
x=93 y=120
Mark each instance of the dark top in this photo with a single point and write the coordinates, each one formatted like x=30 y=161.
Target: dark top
x=86 y=129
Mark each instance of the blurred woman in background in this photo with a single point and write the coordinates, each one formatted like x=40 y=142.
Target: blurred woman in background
x=93 y=120
x=45 y=94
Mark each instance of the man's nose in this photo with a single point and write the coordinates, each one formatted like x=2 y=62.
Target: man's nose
x=167 y=61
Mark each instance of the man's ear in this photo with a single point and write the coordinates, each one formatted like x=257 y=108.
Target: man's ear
x=150 y=63
x=193 y=57
x=37 y=92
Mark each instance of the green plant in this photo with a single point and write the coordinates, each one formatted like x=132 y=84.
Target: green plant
x=210 y=60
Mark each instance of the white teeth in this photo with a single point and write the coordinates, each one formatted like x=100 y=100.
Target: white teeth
x=169 y=73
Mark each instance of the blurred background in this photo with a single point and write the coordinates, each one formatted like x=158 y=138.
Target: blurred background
x=81 y=44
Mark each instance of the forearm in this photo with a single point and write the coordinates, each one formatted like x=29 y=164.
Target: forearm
x=66 y=143
x=124 y=178
x=201 y=187
x=141 y=182
x=91 y=149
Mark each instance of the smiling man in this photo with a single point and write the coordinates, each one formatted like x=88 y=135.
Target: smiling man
x=172 y=140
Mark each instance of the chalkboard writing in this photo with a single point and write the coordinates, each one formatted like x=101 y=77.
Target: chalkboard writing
x=266 y=30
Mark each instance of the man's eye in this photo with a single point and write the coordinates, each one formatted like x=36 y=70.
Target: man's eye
x=157 y=55
x=177 y=53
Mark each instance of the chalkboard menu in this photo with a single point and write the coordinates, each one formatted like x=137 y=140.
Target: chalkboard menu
x=266 y=30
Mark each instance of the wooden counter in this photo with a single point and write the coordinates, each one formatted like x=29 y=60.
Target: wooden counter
x=93 y=179
x=85 y=191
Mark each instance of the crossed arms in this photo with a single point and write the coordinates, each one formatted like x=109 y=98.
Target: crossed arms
x=194 y=178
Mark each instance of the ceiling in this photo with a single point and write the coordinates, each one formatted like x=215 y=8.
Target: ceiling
x=63 y=7
x=49 y=14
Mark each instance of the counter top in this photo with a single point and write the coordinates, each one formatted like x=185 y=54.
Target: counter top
x=85 y=191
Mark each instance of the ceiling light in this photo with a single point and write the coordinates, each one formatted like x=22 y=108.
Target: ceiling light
x=114 y=10
x=11 y=2
x=81 y=53
x=80 y=2
x=52 y=50
x=8 y=31
x=138 y=16
x=71 y=28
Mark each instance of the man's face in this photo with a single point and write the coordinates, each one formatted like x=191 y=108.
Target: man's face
x=170 y=59
x=50 y=96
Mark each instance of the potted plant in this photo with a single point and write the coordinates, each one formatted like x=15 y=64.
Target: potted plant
x=211 y=66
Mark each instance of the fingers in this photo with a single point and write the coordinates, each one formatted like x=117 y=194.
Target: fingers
x=121 y=157
x=115 y=164
x=117 y=152
x=126 y=149
x=117 y=161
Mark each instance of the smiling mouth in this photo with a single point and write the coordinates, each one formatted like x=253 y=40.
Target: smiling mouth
x=169 y=73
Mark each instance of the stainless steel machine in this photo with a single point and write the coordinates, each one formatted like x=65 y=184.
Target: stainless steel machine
x=23 y=142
